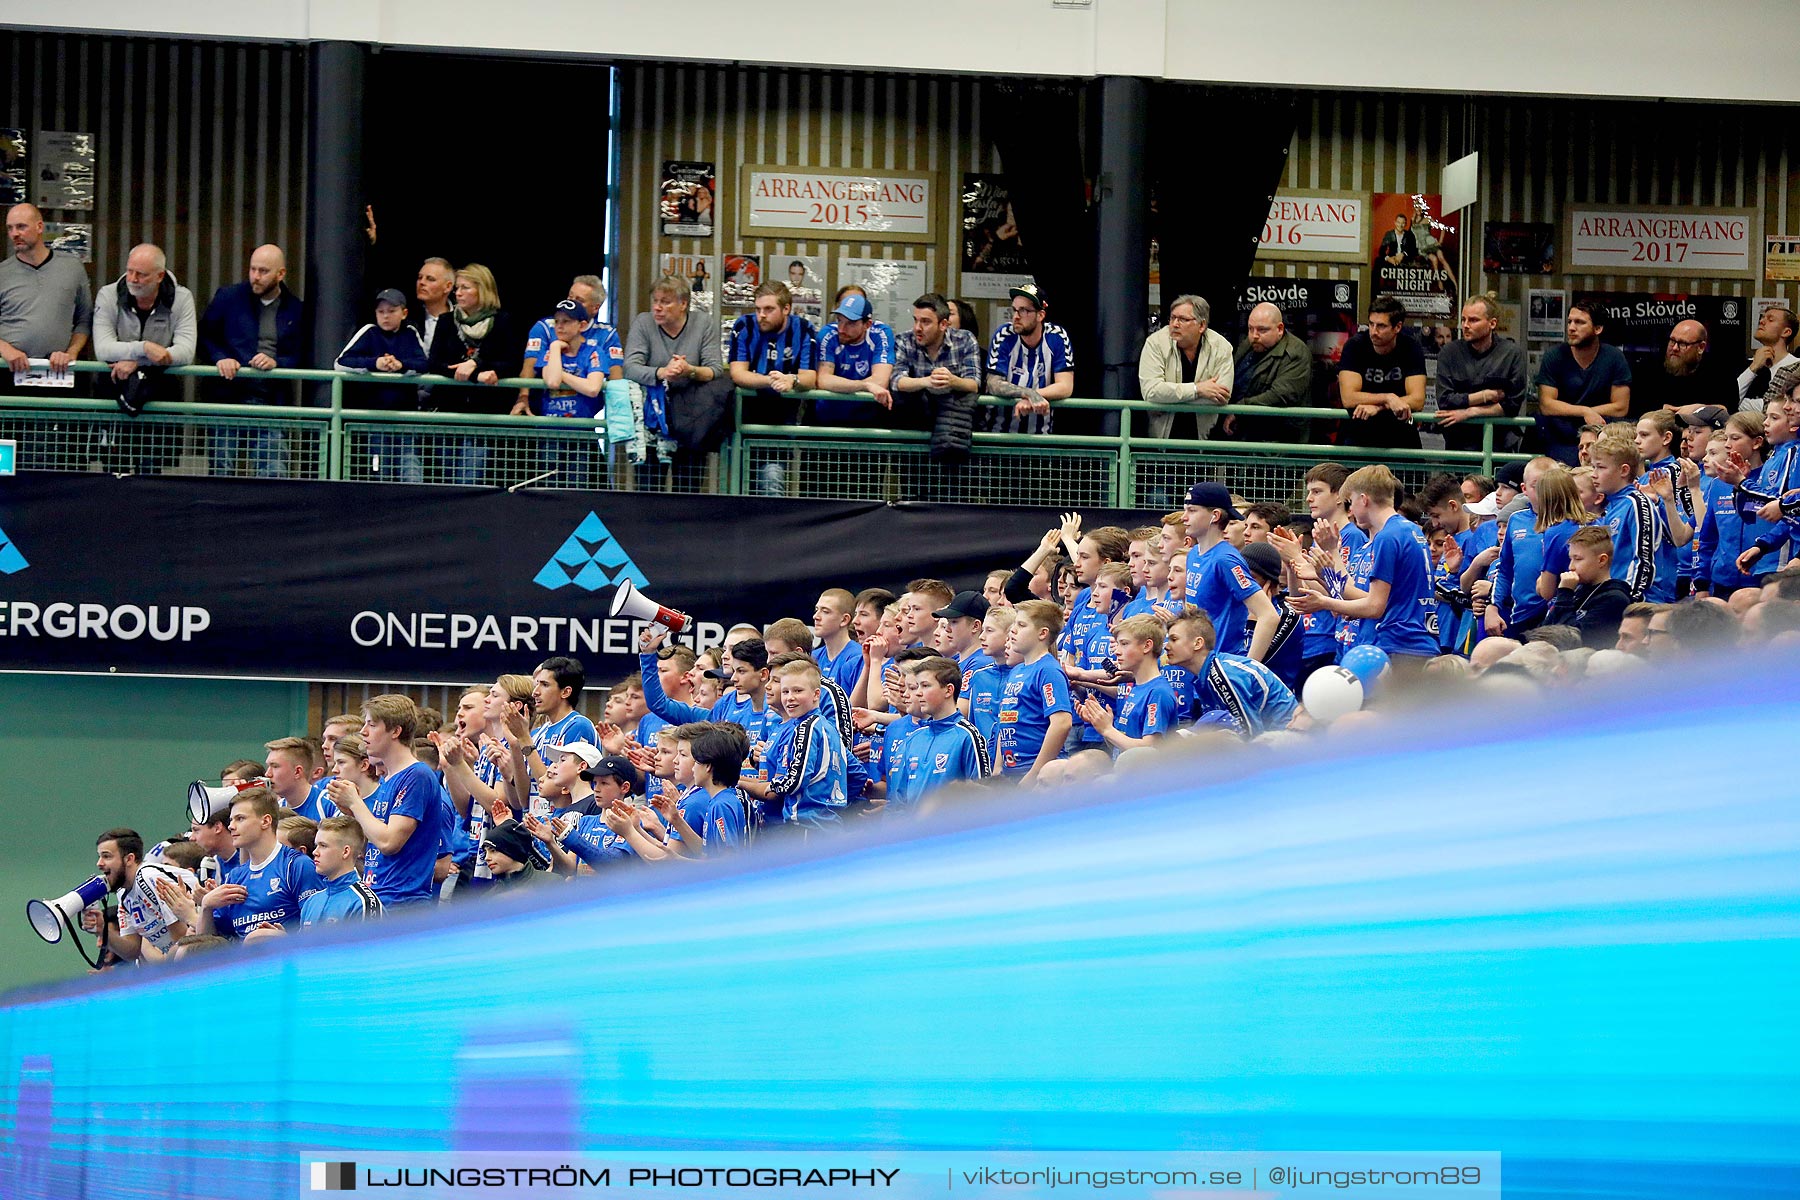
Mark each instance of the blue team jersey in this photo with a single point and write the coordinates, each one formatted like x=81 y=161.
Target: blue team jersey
x=276 y=887
x=938 y=752
x=346 y=898
x=1218 y=582
x=1320 y=628
x=1286 y=655
x=1140 y=605
x=984 y=692
x=1556 y=551
x=969 y=663
x=857 y=361
x=1088 y=636
x=603 y=339
x=845 y=669
x=1400 y=558
x=811 y=779
x=404 y=877
x=1248 y=692
x=734 y=707
x=317 y=805
x=1516 y=571
x=793 y=349
x=1456 y=623
x=1352 y=631
x=1724 y=535
x=720 y=818
x=1637 y=530
x=1028 y=366
x=890 y=756
x=1033 y=692
x=1148 y=709
x=572 y=728
x=1672 y=561
x=589 y=840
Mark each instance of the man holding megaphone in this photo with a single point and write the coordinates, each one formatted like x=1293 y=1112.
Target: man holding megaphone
x=143 y=917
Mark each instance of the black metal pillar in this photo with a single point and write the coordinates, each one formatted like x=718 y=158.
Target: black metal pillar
x=335 y=239
x=1122 y=282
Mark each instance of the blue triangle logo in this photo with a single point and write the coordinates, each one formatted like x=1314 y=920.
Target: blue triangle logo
x=12 y=562
x=590 y=558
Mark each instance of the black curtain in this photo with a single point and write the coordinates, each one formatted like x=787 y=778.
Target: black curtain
x=1220 y=156
x=491 y=160
x=1036 y=128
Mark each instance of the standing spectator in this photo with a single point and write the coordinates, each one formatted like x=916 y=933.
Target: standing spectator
x=1480 y=375
x=389 y=346
x=260 y=324
x=1187 y=361
x=142 y=323
x=1772 y=368
x=664 y=349
x=1582 y=382
x=856 y=357
x=1030 y=361
x=432 y=289
x=774 y=353
x=46 y=308
x=939 y=370
x=1381 y=381
x=491 y=346
x=1689 y=374
x=1274 y=369
x=1588 y=597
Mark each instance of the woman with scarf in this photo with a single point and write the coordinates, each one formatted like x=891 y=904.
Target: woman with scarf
x=491 y=345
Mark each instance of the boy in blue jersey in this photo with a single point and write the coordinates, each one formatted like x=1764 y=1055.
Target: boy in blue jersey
x=1149 y=570
x=337 y=852
x=981 y=690
x=1249 y=695
x=856 y=358
x=1398 y=604
x=960 y=623
x=1762 y=496
x=270 y=881
x=401 y=819
x=775 y=353
x=810 y=780
x=713 y=817
x=1657 y=437
x=838 y=653
x=945 y=747
x=1456 y=571
x=1634 y=519
x=1148 y=710
x=899 y=725
x=1035 y=712
x=556 y=686
x=1086 y=640
x=1518 y=558
x=1218 y=581
x=1332 y=529
x=1724 y=535
x=289 y=772
x=747 y=705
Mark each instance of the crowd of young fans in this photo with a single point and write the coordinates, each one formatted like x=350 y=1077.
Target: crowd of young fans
x=1100 y=650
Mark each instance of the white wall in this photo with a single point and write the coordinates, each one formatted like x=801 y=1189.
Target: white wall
x=1731 y=50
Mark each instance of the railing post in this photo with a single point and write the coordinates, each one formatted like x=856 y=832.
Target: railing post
x=738 y=485
x=334 y=461
x=1125 y=486
x=1487 y=449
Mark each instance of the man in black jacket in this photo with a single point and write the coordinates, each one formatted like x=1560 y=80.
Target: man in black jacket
x=260 y=324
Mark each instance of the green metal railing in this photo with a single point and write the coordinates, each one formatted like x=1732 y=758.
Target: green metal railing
x=328 y=440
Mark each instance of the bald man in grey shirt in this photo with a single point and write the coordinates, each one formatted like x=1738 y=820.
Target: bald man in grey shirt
x=46 y=307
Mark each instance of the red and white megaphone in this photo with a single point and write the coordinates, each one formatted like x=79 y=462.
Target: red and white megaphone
x=49 y=917
x=627 y=601
x=207 y=800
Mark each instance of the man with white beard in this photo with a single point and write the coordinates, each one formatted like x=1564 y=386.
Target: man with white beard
x=143 y=322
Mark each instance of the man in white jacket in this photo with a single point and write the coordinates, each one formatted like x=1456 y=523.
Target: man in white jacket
x=1185 y=362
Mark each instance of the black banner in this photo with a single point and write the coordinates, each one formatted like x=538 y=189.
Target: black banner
x=345 y=581
x=1638 y=323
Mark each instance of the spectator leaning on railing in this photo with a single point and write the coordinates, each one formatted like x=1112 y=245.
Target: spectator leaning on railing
x=1185 y=362
x=668 y=348
x=46 y=309
x=144 y=322
x=1271 y=368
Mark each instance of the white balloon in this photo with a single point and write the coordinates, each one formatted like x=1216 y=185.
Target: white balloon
x=1330 y=692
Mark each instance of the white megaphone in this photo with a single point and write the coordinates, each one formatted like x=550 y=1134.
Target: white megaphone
x=207 y=801
x=629 y=602
x=48 y=917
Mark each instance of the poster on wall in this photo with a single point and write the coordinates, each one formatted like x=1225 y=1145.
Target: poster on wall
x=1315 y=226
x=742 y=276
x=1411 y=252
x=814 y=203
x=702 y=278
x=1518 y=248
x=64 y=174
x=1323 y=313
x=892 y=284
x=690 y=194
x=1639 y=322
x=993 y=257
x=1546 y=309
x=74 y=238
x=805 y=276
x=1618 y=239
x=15 y=183
x=1781 y=257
